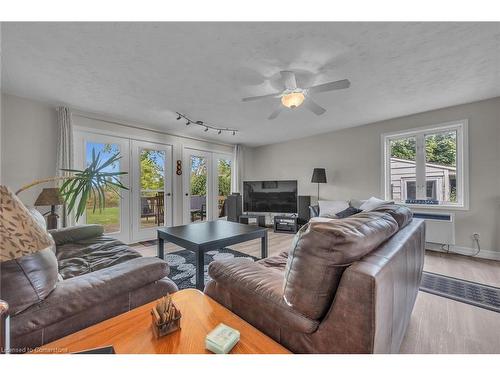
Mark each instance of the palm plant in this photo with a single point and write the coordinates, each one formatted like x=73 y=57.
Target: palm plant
x=80 y=185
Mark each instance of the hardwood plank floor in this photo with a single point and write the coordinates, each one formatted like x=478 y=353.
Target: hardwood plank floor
x=437 y=325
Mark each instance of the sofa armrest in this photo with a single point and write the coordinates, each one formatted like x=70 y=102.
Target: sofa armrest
x=76 y=233
x=80 y=293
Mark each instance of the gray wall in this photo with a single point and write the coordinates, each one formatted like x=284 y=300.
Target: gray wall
x=29 y=141
x=352 y=158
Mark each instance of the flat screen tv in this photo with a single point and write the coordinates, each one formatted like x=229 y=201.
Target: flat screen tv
x=270 y=196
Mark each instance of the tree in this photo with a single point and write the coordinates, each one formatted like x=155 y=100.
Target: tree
x=152 y=170
x=224 y=171
x=439 y=148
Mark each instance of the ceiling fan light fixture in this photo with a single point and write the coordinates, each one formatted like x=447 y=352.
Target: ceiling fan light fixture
x=292 y=100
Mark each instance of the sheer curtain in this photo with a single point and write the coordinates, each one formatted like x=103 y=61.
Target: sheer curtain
x=236 y=172
x=64 y=153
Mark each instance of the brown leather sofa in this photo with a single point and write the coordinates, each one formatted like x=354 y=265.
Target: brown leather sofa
x=346 y=285
x=87 y=278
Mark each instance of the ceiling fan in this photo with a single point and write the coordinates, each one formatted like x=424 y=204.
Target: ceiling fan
x=293 y=96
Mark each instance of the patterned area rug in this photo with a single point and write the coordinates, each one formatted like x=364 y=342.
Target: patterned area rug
x=182 y=265
x=480 y=295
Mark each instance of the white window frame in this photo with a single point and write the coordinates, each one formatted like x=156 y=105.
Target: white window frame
x=461 y=127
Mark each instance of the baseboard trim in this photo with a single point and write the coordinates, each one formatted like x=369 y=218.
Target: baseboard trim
x=462 y=250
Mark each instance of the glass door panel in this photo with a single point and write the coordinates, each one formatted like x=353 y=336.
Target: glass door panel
x=115 y=217
x=109 y=217
x=152 y=184
x=197 y=186
x=224 y=165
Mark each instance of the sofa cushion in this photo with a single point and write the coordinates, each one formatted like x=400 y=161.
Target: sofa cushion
x=76 y=233
x=401 y=214
x=92 y=254
x=256 y=290
x=320 y=253
x=28 y=280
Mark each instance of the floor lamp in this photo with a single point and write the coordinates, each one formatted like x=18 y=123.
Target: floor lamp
x=319 y=177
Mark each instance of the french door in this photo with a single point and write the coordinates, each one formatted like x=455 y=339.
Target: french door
x=206 y=185
x=197 y=185
x=115 y=217
x=151 y=189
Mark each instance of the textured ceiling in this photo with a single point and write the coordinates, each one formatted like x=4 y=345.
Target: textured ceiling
x=143 y=72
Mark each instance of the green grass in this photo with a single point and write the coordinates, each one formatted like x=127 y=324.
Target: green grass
x=109 y=218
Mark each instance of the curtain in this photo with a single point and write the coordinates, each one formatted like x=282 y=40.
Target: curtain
x=64 y=153
x=236 y=172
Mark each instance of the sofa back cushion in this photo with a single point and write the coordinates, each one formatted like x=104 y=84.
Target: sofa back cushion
x=401 y=214
x=321 y=252
x=28 y=280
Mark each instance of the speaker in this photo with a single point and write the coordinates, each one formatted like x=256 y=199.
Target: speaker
x=234 y=207
x=303 y=203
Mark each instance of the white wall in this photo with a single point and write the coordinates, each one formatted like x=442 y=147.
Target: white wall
x=352 y=158
x=29 y=141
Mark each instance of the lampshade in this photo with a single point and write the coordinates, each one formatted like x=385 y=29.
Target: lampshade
x=292 y=100
x=319 y=176
x=20 y=234
x=49 y=197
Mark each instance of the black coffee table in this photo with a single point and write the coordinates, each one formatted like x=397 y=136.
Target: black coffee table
x=209 y=235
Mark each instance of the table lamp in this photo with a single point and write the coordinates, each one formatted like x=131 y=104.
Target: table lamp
x=319 y=177
x=20 y=235
x=50 y=197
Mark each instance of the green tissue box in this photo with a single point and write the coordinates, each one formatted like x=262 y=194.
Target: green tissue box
x=222 y=339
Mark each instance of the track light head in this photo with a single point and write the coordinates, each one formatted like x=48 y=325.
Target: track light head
x=179 y=117
x=219 y=132
x=187 y=123
x=234 y=133
x=206 y=129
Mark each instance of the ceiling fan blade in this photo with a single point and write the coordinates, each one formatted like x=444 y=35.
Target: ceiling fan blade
x=251 y=98
x=289 y=79
x=330 y=86
x=313 y=106
x=276 y=112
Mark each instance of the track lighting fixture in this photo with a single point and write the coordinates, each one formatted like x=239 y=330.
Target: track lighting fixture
x=205 y=125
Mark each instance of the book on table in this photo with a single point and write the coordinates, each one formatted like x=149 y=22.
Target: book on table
x=222 y=339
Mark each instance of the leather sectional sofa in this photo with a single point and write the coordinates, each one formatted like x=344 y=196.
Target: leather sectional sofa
x=346 y=285
x=86 y=279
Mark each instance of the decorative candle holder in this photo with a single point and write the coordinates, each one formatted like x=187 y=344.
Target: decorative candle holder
x=166 y=317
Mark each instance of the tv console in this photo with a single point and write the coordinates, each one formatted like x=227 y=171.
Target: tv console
x=286 y=224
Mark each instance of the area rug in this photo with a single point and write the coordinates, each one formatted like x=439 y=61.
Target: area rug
x=480 y=295
x=182 y=265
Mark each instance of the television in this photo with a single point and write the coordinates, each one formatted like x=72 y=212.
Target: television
x=270 y=196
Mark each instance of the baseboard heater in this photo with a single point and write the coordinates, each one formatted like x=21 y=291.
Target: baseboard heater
x=440 y=227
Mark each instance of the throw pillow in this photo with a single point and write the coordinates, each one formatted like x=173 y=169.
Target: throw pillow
x=356 y=203
x=349 y=211
x=372 y=204
x=331 y=208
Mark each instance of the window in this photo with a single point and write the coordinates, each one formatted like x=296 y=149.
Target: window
x=427 y=166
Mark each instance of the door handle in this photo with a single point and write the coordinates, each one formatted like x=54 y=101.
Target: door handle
x=168 y=194
x=187 y=194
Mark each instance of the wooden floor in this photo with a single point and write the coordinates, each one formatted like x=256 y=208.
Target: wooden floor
x=438 y=325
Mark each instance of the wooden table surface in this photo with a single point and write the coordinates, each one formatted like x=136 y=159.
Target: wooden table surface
x=131 y=332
